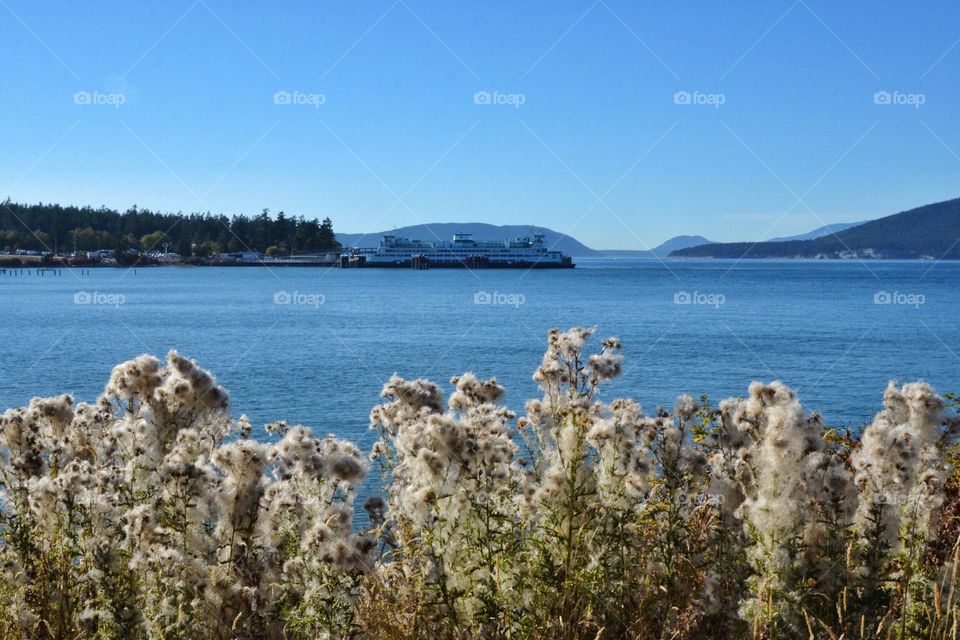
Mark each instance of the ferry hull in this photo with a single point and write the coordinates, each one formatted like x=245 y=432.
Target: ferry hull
x=459 y=264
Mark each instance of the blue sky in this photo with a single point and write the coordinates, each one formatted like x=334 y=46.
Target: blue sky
x=582 y=122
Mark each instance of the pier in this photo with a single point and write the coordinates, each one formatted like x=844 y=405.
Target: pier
x=41 y=271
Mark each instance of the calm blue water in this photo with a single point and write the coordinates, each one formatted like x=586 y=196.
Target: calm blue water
x=812 y=324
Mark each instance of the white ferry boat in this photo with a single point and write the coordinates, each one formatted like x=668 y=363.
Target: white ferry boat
x=463 y=251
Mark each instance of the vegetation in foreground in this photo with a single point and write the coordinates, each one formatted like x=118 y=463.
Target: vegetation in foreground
x=154 y=514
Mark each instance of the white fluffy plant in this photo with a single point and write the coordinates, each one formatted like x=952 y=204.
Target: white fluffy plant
x=451 y=503
x=562 y=486
x=151 y=514
x=315 y=557
x=795 y=499
x=901 y=468
x=613 y=495
x=493 y=537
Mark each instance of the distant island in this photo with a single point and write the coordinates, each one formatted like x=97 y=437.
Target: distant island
x=930 y=232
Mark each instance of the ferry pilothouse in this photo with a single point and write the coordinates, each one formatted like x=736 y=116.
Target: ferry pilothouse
x=463 y=251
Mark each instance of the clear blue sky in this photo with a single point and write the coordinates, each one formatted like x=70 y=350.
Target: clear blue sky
x=598 y=148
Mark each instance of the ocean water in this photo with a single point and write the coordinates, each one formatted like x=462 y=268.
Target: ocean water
x=314 y=346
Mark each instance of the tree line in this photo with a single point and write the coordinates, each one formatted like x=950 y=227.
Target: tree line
x=66 y=229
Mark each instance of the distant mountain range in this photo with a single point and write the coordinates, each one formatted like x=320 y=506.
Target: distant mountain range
x=819 y=232
x=482 y=231
x=678 y=242
x=931 y=232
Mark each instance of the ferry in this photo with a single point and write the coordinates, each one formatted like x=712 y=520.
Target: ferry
x=462 y=252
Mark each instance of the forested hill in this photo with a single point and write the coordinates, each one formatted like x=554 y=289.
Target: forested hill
x=51 y=227
x=931 y=231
